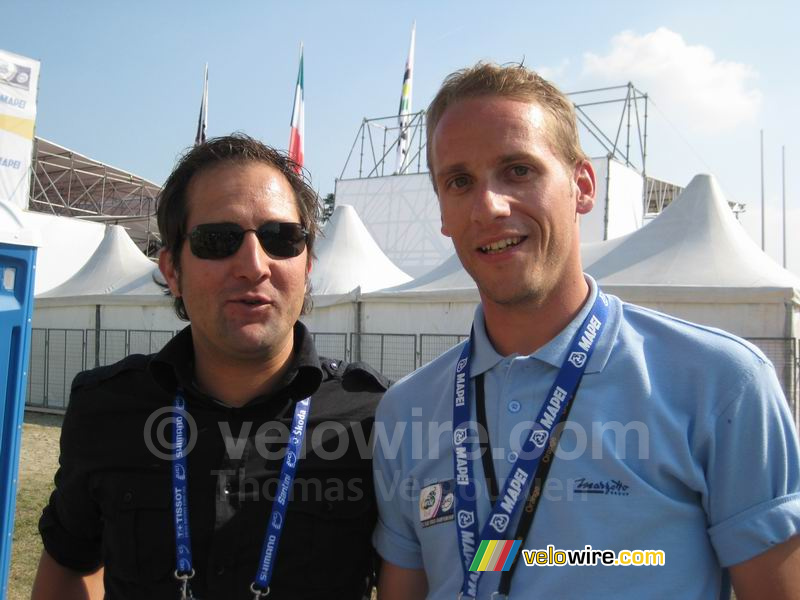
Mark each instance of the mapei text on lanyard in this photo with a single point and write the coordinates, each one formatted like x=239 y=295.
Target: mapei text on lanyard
x=180 y=500
x=536 y=441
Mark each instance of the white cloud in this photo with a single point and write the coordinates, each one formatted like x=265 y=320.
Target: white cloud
x=688 y=82
x=554 y=73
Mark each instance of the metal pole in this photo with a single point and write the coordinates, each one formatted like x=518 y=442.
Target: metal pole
x=763 y=206
x=783 y=188
x=628 y=134
x=644 y=150
x=361 y=158
x=763 y=225
x=97 y=335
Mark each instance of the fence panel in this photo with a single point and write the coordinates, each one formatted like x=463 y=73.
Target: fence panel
x=331 y=345
x=147 y=342
x=37 y=368
x=432 y=345
x=57 y=355
x=63 y=360
x=74 y=363
x=394 y=355
x=113 y=347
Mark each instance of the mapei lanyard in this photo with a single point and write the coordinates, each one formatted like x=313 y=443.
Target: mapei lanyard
x=512 y=495
x=183 y=547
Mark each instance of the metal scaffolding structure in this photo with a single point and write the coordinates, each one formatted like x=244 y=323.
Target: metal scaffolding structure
x=67 y=183
x=377 y=139
x=659 y=195
x=612 y=119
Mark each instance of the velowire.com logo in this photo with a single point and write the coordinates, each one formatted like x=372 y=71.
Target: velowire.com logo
x=495 y=555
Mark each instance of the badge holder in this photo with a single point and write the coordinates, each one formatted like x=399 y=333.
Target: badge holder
x=186 y=590
x=257 y=593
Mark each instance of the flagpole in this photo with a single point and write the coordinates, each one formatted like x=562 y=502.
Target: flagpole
x=783 y=186
x=202 y=120
x=405 y=105
x=763 y=208
x=297 y=132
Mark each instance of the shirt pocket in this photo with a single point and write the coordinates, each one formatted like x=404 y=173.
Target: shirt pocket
x=139 y=532
x=341 y=548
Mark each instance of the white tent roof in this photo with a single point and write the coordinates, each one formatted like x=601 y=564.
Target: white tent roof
x=12 y=227
x=67 y=244
x=695 y=243
x=117 y=267
x=448 y=282
x=696 y=246
x=348 y=257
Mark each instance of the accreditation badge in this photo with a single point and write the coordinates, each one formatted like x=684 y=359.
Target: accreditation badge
x=436 y=503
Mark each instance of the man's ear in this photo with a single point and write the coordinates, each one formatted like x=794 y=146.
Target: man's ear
x=445 y=231
x=170 y=273
x=585 y=183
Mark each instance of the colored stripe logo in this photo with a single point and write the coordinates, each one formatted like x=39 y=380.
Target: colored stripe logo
x=495 y=555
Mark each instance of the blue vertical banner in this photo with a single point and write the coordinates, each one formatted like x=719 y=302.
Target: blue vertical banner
x=17 y=264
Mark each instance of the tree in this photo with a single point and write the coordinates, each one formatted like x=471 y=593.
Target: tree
x=328 y=204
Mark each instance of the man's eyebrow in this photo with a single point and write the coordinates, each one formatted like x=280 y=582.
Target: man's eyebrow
x=451 y=169
x=516 y=157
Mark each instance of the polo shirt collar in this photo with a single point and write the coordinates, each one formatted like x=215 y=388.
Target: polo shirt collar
x=174 y=366
x=485 y=357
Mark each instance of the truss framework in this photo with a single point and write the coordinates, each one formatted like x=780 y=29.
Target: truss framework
x=66 y=183
x=377 y=139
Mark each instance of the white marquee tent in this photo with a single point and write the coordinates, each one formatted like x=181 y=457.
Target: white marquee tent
x=118 y=279
x=349 y=262
x=697 y=262
x=66 y=243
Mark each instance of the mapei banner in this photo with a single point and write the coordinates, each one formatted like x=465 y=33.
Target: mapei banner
x=19 y=81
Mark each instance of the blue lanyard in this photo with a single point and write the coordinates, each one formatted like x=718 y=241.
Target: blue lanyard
x=180 y=500
x=512 y=495
x=260 y=587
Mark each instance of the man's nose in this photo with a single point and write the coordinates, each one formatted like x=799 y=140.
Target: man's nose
x=251 y=261
x=490 y=203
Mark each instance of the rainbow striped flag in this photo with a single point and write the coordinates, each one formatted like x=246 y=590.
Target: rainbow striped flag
x=495 y=555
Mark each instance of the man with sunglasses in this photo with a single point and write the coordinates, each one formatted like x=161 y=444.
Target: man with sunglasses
x=235 y=462
x=676 y=438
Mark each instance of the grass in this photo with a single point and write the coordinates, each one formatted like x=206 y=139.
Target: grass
x=38 y=463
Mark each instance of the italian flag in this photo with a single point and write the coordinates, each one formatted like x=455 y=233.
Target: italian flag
x=298 y=120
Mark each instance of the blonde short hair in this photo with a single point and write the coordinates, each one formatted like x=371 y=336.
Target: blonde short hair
x=517 y=83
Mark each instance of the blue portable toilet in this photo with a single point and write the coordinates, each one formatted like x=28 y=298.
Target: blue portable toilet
x=17 y=265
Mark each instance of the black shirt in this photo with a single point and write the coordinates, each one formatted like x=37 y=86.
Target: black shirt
x=112 y=504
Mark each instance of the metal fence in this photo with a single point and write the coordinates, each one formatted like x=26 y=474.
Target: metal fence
x=57 y=355
x=394 y=355
x=331 y=345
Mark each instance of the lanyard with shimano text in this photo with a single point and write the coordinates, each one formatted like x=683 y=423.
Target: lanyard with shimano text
x=537 y=438
x=183 y=548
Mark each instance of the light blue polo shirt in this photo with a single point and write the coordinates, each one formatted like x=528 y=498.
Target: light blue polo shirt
x=679 y=440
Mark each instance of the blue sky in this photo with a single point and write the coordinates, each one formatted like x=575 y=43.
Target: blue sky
x=121 y=81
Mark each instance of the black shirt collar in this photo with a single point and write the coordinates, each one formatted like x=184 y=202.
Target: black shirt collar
x=174 y=366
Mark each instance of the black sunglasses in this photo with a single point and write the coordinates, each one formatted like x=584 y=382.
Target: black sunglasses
x=221 y=240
